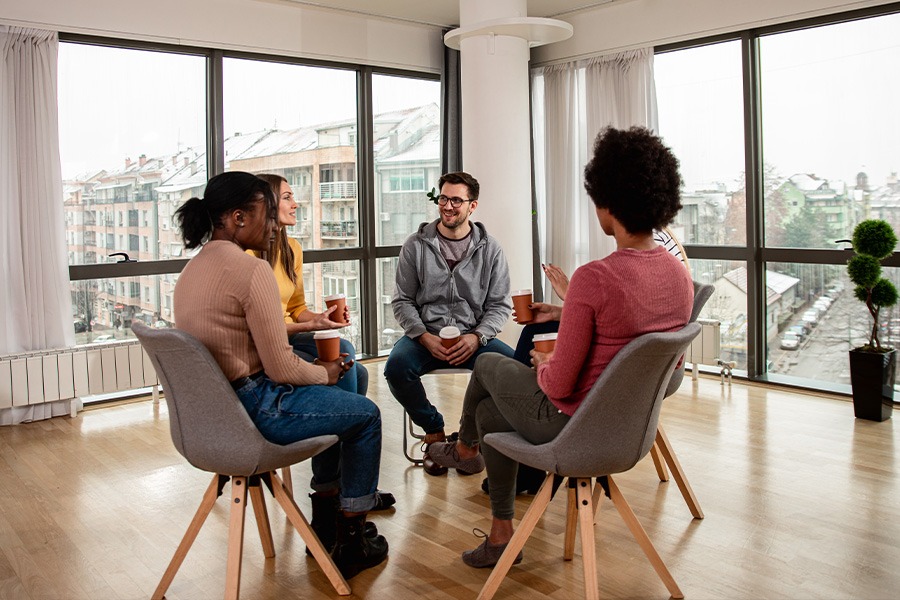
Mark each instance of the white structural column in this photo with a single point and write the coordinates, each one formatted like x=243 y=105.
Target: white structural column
x=494 y=39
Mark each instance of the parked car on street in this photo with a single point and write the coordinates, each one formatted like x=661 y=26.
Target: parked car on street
x=811 y=316
x=799 y=330
x=106 y=337
x=790 y=341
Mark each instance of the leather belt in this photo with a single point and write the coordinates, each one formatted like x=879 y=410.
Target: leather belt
x=241 y=382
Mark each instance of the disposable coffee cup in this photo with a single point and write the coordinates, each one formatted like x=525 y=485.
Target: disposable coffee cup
x=328 y=345
x=449 y=336
x=544 y=342
x=339 y=301
x=521 y=299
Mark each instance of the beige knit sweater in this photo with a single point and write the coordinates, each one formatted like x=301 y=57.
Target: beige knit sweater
x=229 y=301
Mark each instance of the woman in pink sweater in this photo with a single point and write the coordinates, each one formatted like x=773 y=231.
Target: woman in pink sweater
x=640 y=288
x=229 y=300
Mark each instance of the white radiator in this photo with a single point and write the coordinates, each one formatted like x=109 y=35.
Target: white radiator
x=53 y=375
x=705 y=349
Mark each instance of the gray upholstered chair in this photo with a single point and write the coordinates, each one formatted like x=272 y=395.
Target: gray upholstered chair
x=211 y=429
x=662 y=453
x=610 y=432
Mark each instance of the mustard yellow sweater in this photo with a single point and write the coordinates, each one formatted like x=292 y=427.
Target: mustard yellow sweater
x=293 y=297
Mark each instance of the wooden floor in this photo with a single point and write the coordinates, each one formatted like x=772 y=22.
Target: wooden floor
x=801 y=501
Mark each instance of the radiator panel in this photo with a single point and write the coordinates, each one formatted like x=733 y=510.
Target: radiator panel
x=706 y=347
x=53 y=375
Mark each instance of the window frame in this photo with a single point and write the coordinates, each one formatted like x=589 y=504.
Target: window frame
x=755 y=254
x=367 y=253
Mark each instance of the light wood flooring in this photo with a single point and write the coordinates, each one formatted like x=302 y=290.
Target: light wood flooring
x=801 y=501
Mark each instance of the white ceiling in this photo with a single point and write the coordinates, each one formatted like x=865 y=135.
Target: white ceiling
x=443 y=13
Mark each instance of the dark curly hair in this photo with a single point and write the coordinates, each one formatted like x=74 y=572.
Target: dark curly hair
x=634 y=176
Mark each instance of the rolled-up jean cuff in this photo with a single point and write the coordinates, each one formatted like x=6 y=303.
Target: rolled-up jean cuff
x=358 y=505
x=328 y=486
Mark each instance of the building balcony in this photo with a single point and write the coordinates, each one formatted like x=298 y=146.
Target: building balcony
x=337 y=190
x=338 y=229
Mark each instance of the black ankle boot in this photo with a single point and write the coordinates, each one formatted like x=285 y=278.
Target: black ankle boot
x=353 y=551
x=325 y=511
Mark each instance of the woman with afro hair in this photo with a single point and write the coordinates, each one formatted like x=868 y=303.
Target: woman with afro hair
x=634 y=184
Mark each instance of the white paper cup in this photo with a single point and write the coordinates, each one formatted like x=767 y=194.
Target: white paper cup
x=449 y=336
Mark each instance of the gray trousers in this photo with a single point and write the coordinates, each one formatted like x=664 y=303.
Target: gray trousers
x=503 y=395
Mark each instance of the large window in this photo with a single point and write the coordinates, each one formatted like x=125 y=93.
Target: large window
x=808 y=110
x=137 y=139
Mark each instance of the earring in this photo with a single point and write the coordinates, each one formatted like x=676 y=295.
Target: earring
x=241 y=224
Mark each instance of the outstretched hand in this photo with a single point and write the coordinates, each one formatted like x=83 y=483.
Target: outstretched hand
x=558 y=279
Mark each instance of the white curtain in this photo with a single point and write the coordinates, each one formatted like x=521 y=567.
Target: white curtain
x=572 y=103
x=35 y=303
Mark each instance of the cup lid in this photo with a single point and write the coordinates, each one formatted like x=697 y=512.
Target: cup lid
x=334 y=297
x=544 y=337
x=326 y=334
x=520 y=292
x=449 y=332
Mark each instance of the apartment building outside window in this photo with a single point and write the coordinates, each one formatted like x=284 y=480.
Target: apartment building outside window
x=130 y=160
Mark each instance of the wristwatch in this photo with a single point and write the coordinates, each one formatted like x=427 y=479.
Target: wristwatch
x=483 y=339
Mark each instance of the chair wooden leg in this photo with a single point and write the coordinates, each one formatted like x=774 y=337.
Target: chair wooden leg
x=643 y=540
x=209 y=500
x=235 y=538
x=309 y=537
x=571 y=525
x=661 y=470
x=529 y=521
x=588 y=548
x=262 y=518
x=678 y=473
x=288 y=481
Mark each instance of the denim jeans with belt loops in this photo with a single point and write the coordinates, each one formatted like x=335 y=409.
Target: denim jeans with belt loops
x=286 y=413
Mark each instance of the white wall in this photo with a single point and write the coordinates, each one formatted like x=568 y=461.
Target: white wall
x=641 y=23
x=267 y=26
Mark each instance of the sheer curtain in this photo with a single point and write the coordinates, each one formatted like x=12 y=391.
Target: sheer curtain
x=572 y=103
x=35 y=304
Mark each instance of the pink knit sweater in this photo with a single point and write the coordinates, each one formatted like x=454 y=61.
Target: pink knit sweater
x=609 y=303
x=229 y=301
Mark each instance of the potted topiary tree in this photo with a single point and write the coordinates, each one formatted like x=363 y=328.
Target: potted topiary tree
x=873 y=365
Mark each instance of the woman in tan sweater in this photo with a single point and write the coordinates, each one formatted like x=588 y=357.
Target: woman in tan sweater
x=229 y=300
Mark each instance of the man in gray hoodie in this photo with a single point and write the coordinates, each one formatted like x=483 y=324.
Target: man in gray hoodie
x=450 y=273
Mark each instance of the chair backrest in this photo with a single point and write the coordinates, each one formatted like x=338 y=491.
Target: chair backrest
x=616 y=423
x=209 y=426
x=702 y=293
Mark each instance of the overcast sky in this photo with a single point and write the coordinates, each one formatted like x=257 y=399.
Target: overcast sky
x=831 y=104
x=123 y=103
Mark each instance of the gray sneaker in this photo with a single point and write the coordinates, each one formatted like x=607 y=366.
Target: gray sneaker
x=487 y=554
x=446 y=455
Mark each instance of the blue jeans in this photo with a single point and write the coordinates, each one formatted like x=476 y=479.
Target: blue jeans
x=355 y=381
x=286 y=413
x=406 y=364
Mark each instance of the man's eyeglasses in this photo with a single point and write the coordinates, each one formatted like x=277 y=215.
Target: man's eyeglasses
x=455 y=202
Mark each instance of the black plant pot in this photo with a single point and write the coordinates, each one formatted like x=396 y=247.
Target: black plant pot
x=872 y=379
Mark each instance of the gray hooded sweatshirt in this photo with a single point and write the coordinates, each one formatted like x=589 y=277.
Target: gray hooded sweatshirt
x=473 y=297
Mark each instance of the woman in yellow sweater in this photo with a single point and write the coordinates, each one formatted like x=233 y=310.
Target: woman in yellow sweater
x=286 y=258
